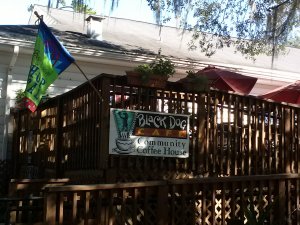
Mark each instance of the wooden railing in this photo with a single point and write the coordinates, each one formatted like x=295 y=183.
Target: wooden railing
x=205 y=201
x=230 y=135
x=24 y=201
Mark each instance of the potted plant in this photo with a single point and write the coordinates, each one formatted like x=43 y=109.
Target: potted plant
x=195 y=82
x=20 y=103
x=154 y=74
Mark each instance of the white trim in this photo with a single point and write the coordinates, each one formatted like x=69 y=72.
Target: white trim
x=6 y=86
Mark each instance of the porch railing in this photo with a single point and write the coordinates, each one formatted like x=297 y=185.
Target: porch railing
x=205 y=201
x=230 y=135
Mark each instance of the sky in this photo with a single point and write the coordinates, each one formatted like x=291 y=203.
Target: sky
x=15 y=12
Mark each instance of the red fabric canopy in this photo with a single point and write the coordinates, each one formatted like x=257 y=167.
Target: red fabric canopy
x=289 y=93
x=227 y=80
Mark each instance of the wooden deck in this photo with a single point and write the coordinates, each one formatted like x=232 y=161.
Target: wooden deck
x=240 y=147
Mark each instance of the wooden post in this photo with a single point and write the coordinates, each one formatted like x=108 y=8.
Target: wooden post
x=201 y=135
x=280 y=211
x=16 y=141
x=287 y=140
x=104 y=124
x=50 y=208
x=58 y=140
x=162 y=209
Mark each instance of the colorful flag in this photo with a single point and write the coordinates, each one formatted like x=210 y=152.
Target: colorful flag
x=49 y=59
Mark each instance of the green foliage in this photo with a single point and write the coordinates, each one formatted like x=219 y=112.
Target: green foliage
x=163 y=66
x=294 y=40
x=82 y=7
x=20 y=94
x=20 y=102
x=159 y=67
x=196 y=82
x=252 y=27
x=191 y=74
x=144 y=69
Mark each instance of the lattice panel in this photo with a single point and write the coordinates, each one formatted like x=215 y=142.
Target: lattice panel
x=217 y=204
x=184 y=207
x=294 y=209
x=116 y=207
x=137 y=211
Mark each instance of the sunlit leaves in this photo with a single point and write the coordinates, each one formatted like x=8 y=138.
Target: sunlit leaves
x=252 y=26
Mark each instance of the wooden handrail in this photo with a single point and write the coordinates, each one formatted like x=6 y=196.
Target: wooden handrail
x=235 y=178
x=48 y=181
x=92 y=187
x=201 y=180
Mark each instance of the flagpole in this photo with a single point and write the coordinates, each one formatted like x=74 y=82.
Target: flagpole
x=92 y=85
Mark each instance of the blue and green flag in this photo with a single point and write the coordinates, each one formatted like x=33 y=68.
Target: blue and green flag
x=49 y=59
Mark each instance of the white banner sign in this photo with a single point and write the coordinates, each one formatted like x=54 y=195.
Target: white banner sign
x=144 y=133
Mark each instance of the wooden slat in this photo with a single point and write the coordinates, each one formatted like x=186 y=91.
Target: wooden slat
x=242 y=157
x=235 y=148
x=87 y=199
x=289 y=202
x=201 y=134
x=249 y=134
x=256 y=139
x=213 y=205
x=74 y=207
x=146 y=205
x=222 y=159
x=135 y=193
x=204 y=207
x=103 y=151
x=293 y=144
x=297 y=211
x=223 y=209
x=61 y=209
x=229 y=136
x=287 y=140
x=214 y=135
x=162 y=205
x=123 y=207
x=109 y=214
x=262 y=140
x=50 y=208
x=207 y=144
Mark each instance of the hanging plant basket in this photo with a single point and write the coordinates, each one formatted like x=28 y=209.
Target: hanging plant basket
x=137 y=79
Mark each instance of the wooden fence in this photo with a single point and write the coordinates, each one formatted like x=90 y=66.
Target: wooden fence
x=242 y=148
x=195 y=201
x=230 y=134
